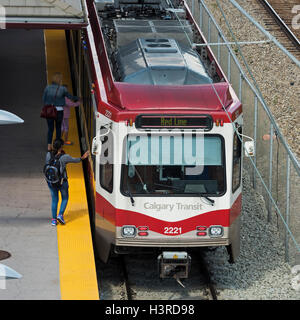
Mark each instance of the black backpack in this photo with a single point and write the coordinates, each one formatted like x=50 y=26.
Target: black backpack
x=52 y=171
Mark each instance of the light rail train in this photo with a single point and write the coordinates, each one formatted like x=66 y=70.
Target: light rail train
x=162 y=121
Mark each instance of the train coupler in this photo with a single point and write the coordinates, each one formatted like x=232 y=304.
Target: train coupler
x=174 y=264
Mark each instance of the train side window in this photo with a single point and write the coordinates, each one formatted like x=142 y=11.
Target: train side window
x=236 y=166
x=106 y=167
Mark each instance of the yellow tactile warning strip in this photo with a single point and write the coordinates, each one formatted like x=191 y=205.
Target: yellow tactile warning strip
x=78 y=280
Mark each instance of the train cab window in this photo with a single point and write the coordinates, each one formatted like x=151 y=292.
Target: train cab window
x=106 y=163
x=236 y=166
x=174 y=165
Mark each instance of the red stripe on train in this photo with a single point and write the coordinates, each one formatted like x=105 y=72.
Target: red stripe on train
x=120 y=217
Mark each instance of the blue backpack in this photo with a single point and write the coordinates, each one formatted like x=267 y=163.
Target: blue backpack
x=52 y=171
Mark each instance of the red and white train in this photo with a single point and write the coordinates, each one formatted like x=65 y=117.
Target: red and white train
x=162 y=121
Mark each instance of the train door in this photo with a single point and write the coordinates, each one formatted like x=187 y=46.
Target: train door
x=105 y=217
x=236 y=202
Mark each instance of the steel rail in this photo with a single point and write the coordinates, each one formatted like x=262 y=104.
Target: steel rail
x=126 y=280
x=258 y=94
x=206 y=273
x=281 y=23
x=255 y=88
x=265 y=32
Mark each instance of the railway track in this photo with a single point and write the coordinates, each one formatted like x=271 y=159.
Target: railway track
x=128 y=292
x=206 y=288
x=205 y=271
x=278 y=20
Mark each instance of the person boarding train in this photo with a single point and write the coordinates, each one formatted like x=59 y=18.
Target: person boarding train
x=56 y=160
x=55 y=94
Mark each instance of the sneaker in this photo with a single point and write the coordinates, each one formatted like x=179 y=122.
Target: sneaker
x=68 y=143
x=60 y=218
x=53 y=222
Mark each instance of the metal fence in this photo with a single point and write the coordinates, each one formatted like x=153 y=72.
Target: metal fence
x=274 y=170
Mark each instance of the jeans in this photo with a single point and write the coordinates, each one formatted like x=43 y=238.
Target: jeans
x=58 y=122
x=64 y=191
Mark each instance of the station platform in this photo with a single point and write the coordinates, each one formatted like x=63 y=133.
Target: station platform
x=55 y=262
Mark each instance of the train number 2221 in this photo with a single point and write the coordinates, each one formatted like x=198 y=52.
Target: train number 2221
x=172 y=230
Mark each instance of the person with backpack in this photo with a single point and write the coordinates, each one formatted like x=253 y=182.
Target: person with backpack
x=56 y=176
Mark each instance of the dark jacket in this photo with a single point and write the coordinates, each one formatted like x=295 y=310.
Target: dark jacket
x=62 y=92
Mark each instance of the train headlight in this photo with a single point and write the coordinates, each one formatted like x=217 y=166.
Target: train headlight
x=216 y=231
x=128 y=231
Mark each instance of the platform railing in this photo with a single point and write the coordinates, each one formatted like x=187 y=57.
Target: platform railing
x=274 y=170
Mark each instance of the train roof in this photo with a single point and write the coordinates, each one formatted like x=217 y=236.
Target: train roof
x=148 y=61
x=160 y=62
x=134 y=97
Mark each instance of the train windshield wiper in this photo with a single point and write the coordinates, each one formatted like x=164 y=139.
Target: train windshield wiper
x=166 y=185
x=129 y=193
x=211 y=201
x=140 y=178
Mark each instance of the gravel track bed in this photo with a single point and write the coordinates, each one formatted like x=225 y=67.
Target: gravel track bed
x=276 y=75
x=260 y=272
x=145 y=283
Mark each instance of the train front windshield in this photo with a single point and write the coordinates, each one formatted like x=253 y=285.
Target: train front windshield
x=181 y=165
